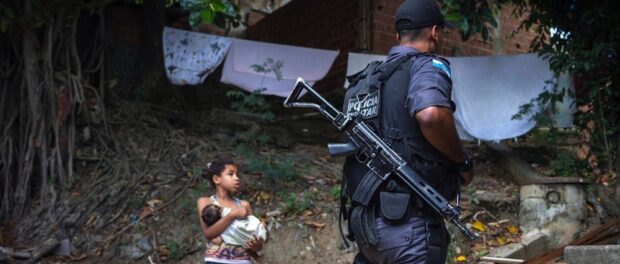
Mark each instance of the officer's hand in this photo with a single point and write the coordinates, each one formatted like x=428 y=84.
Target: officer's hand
x=467 y=177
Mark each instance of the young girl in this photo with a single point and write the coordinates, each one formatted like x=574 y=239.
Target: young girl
x=222 y=173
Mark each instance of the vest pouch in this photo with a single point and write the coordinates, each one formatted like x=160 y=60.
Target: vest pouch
x=395 y=207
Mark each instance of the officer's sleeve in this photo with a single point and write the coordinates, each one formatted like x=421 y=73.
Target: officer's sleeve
x=430 y=85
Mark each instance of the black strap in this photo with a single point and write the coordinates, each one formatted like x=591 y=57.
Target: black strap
x=343 y=210
x=370 y=69
x=370 y=226
x=437 y=240
x=388 y=68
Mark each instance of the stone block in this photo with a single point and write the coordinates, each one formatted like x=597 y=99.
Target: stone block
x=515 y=250
x=535 y=244
x=532 y=245
x=592 y=254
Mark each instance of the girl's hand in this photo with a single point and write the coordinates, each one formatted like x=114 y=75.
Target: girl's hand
x=254 y=245
x=218 y=240
x=239 y=212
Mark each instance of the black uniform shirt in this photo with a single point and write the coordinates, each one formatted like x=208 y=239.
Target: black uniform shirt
x=430 y=84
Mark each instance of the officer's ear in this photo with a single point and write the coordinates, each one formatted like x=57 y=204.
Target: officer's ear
x=435 y=32
x=397 y=37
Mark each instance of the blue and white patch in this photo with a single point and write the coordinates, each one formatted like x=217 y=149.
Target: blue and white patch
x=366 y=106
x=439 y=65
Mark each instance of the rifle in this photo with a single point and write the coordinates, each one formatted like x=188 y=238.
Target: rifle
x=377 y=155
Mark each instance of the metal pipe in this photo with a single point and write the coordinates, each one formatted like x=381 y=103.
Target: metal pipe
x=502 y=260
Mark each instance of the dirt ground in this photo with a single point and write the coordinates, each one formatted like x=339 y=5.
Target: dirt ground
x=300 y=209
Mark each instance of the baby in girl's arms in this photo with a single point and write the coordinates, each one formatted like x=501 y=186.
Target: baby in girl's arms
x=240 y=231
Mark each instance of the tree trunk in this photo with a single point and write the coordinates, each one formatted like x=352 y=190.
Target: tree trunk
x=30 y=139
x=617 y=168
x=151 y=54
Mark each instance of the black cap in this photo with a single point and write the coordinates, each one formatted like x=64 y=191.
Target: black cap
x=414 y=14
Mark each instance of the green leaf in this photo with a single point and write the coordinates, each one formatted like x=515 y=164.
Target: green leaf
x=194 y=19
x=207 y=15
x=217 y=6
x=464 y=25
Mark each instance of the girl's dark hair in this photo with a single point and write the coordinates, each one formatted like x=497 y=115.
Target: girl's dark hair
x=216 y=167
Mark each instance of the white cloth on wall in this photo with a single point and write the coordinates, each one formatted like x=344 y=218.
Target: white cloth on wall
x=189 y=57
x=488 y=91
x=253 y=65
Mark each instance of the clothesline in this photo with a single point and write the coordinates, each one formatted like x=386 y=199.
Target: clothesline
x=487 y=90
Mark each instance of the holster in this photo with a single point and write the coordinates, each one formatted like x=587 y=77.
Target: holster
x=362 y=224
x=395 y=207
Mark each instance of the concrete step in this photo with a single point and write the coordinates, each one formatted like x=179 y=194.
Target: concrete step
x=592 y=254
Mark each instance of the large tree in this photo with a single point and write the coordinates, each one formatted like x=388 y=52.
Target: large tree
x=52 y=81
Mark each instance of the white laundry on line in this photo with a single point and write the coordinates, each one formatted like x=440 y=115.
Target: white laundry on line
x=253 y=65
x=189 y=57
x=488 y=92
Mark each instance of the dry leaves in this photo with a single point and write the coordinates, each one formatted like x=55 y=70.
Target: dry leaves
x=316 y=225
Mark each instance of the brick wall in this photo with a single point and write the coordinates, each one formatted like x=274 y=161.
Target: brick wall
x=336 y=25
x=505 y=41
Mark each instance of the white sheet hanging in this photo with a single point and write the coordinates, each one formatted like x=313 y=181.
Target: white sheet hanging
x=488 y=92
x=189 y=57
x=244 y=55
x=565 y=110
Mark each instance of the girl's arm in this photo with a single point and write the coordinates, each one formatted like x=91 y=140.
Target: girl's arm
x=255 y=244
x=216 y=229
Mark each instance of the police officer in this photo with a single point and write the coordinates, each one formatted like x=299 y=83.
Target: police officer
x=416 y=119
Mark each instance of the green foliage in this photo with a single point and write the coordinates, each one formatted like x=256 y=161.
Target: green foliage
x=274 y=167
x=253 y=103
x=566 y=164
x=222 y=13
x=188 y=202
x=6 y=17
x=451 y=253
x=334 y=191
x=537 y=107
x=471 y=194
x=550 y=137
x=472 y=17
x=176 y=251
x=297 y=203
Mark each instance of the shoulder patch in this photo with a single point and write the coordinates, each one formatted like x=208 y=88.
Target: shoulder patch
x=440 y=65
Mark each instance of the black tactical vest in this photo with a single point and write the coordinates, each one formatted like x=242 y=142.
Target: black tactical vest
x=378 y=94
